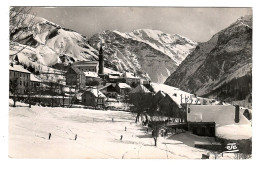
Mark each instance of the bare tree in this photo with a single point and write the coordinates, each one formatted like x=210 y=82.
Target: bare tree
x=13 y=88
x=21 y=22
x=28 y=91
x=141 y=103
x=155 y=134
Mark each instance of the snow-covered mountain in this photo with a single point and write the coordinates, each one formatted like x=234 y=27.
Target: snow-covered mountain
x=144 y=51
x=147 y=53
x=52 y=44
x=220 y=67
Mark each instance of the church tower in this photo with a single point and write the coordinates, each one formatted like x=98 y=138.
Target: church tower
x=101 y=61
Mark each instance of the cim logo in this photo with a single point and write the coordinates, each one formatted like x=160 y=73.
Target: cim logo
x=231 y=147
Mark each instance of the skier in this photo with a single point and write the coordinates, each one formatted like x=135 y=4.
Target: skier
x=125 y=128
x=76 y=136
x=49 y=136
x=121 y=137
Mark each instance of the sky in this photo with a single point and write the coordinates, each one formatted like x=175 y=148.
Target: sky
x=198 y=24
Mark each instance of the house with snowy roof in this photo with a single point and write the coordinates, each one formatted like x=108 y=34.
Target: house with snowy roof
x=75 y=77
x=114 y=78
x=140 y=89
x=224 y=121
x=123 y=88
x=87 y=66
x=179 y=96
x=22 y=77
x=93 y=97
x=169 y=106
x=92 y=77
x=131 y=78
x=159 y=96
x=109 y=90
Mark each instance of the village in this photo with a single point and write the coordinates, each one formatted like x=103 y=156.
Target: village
x=160 y=109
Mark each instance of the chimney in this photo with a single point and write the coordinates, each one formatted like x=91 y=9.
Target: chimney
x=101 y=61
x=237 y=114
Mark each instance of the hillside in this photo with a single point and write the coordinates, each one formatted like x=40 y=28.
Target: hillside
x=144 y=51
x=49 y=43
x=220 y=67
x=147 y=53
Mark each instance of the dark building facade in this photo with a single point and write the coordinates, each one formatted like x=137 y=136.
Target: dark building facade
x=75 y=77
x=109 y=90
x=17 y=72
x=168 y=107
x=94 y=98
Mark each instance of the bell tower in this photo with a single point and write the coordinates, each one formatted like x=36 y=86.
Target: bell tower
x=101 y=61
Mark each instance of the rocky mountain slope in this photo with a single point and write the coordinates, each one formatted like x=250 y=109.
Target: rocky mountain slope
x=147 y=53
x=144 y=51
x=220 y=67
x=48 y=43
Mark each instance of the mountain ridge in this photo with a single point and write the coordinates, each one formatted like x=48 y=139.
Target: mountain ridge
x=55 y=44
x=214 y=64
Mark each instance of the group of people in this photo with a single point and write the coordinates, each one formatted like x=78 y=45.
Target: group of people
x=75 y=138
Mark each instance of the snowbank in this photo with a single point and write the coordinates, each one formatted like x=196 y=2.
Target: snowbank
x=234 y=131
x=224 y=117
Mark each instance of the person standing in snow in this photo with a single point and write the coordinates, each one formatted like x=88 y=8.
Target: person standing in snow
x=125 y=128
x=49 y=136
x=121 y=137
x=76 y=137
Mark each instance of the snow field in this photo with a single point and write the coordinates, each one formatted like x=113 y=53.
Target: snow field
x=97 y=136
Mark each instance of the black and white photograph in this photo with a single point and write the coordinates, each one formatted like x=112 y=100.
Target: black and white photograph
x=99 y=82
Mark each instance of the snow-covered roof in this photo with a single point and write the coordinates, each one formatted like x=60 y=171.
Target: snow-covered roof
x=34 y=79
x=110 y=71
x=224 y=117
x=175 y=99
x=85 y=63
x=67 y=89
x=78 y=71
x=123 y=85
x=18 y=68
x=90 y=74
x=108 y=84
x=131 y=75
x=96 y=92
x=113 y=77
x=175 y=93
x=140 y=89
x=161 y=92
